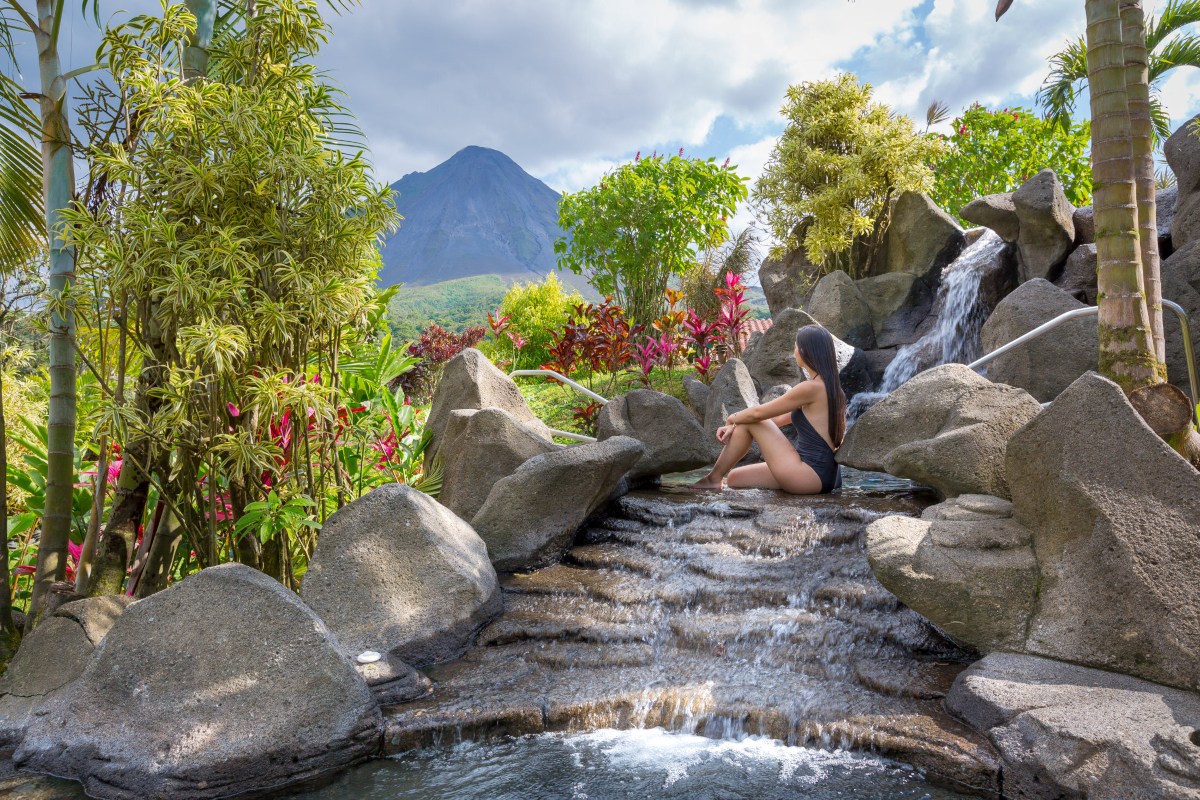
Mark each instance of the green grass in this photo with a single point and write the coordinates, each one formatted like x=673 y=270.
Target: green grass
x=455 y=305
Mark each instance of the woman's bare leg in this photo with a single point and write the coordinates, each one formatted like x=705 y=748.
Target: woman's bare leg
x=787 y=470
x=735 y=450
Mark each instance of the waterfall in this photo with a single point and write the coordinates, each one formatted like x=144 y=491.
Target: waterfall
x=955 y=337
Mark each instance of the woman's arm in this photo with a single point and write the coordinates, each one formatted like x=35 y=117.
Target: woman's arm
x=799 y=395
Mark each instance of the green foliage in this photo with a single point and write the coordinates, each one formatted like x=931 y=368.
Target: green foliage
x=270 y=517
x=839 y=161
x=455 y=305
x=533 y=309
x=997 y=151
x=642 y=224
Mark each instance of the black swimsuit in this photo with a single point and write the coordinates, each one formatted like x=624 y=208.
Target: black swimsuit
x=816 y=452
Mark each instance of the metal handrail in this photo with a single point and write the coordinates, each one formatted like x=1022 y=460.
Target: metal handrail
x=1188 y=350
x=533 y=373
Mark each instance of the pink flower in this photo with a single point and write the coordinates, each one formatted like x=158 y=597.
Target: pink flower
x=234 y=411
x=681 y=151
x=726 y=164
x=114 y=472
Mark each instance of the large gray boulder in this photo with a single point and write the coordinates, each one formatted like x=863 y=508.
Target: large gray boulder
x=947 y=427
x=531 y=517
x=397 y=573
x=1182 y=151
x=838 y=305
x=1079 y=277
x=50 y=657
x=1047 y=230
x=221 y=684
x=674 y=441
x=773 y=362
x=480 y=448
x=1049 y=364
x=966 y=565
x=1181 y=283
x=922 y=239
x=1084 y=220
x=785 y=283
x=697 y=395
x=1069 y=731
x=1164 y=213
x=1108 y=511
x=889 y=294
x=470 y=380
x=995 y=211
x=731 y=391
x=1113 y=511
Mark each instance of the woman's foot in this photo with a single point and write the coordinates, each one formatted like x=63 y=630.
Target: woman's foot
x=708 y=483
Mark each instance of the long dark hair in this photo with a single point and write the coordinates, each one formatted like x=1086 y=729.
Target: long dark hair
x=816 y=348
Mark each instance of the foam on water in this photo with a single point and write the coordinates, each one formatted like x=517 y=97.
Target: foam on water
x=610 y=764
x=955 y=337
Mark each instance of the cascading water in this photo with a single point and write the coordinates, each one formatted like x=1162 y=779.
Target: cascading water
x=955 y=337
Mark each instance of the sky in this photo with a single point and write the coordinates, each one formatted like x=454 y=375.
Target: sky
x=572 y=88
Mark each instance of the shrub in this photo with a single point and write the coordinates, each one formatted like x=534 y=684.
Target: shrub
x=841 y=158
x=997 y=151
x=534 y=310
x=643 y=224
x=435 y=347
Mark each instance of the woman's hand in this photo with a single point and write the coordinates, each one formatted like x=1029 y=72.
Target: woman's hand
x=724 y=433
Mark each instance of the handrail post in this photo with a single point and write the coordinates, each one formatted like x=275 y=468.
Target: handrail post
x=1189 y=355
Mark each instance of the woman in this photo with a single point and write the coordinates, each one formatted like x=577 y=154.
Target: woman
x=817 y=407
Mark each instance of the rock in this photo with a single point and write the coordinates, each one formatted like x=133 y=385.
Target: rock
x=51 y=656
x=697 y=395
x=970 y=507
x=889 y=294
x=470 y=380
x=774 y=393
x=392 y=681
x=774 y=361
x=1164 y=211
x=751 y=346
x=855 y=375
x=838 y=305
x=674 y=441
x=786 y=283
x=995 y=211
x=1181 y=283
x=947 y=427
x=221 y=684
x=1108 y=510
x=976 y=579
x=1182 y=151
x=1079 y=277
x=907 y=325
x=480 y=448
x=876 y=362
x=1047 y=229
x=1051 y=363
x=921 y=239
x=397 y=573
x=531 y=517
x=1113 y=512
x=1069 y=731
x=731 y=391
x=1085 y=226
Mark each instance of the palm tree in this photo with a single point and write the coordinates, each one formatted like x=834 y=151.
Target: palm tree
x=1069 y=69
x=1118 y=84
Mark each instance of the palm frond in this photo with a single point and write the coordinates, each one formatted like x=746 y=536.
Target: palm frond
x=1160 y=119
x=938 y=112
x=1182 y=51
x=22 y=217
x=1164 y=178
x=1176 y=14
x=1064 y=84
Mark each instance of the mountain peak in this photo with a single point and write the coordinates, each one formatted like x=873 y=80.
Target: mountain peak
x=477 y=213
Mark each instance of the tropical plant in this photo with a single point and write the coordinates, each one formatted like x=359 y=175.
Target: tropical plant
x=733 y=313
x=429 y=355
x=829 y=180
x=641 y=225
x=738 y=255
x=530 y=312
x=226 y=241
x=994 y=151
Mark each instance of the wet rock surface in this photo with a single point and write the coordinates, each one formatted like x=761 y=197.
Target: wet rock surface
x=718 y=614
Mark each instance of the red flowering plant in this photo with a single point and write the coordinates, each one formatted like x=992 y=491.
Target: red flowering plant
x=733 y=313
x=435 y=347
